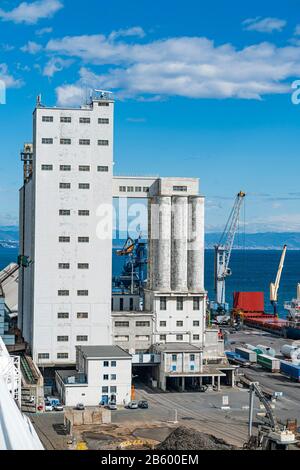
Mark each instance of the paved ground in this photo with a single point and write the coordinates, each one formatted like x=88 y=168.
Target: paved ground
x=49 y=427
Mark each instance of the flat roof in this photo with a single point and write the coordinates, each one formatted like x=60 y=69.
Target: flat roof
x=95 y=352
x=177 y=347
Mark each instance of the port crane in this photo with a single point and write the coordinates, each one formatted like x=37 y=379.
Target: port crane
x=270 y=436
x=274 y=286
x=132 y=276
x=223 y=253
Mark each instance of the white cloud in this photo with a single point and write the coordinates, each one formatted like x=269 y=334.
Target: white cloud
x=31 y=13
x=54 y=65
x=134 y=31
x=32 y=47
x=42 y=31
x=70 y=95
x=8 y=79
x=264 y=25
x=192 y=67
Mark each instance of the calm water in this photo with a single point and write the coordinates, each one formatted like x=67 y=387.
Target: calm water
x=252 y=270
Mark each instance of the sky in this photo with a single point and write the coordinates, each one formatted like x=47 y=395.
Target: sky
x=202 y=89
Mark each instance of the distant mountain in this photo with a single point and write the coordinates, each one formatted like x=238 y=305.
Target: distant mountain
x=259 y=241
x=9 y=237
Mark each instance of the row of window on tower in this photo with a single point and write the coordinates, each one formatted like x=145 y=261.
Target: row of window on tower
x=49 y=141
x=81 y=120
x=163 y=303
x=49 y=167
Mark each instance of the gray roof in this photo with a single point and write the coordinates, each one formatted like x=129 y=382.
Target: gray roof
x=176 y=347
x=104 y=352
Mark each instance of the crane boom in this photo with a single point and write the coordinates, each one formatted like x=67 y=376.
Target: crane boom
x=274 y=286
x=224 y=248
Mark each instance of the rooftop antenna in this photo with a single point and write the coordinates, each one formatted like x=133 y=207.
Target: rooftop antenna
x=38 y=100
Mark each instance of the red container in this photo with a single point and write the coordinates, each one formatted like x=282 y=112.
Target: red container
x=249 y=301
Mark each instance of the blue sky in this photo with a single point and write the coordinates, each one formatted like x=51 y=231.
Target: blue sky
x=203 y=89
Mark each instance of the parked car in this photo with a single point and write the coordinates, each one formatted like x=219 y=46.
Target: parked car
x=48 y=406
x=79 y=406
x=112 y=406
x=132 y=405
x=58 y=407
x=143 y=404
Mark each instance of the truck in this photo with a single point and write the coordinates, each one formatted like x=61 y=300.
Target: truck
x=247 y=354
x=291 y=370
x=268 y=362
x=235 y=358
x=54 y=401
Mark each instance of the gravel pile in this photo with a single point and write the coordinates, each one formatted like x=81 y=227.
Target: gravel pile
x=189 y=439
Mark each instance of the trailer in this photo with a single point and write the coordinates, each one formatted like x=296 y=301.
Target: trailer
x=247 y=354
x=234 y=358
x=268 y=362
x=291 y=370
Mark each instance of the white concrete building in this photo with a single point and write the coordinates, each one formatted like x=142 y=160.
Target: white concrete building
x=66 y=231
x=103 y=374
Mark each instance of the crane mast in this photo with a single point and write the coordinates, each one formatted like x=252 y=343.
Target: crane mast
x=223 y=252
x=274 y=286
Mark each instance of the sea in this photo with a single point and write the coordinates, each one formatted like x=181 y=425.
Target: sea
x=252 y=270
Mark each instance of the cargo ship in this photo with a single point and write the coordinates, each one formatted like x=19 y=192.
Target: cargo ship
x=248 y=309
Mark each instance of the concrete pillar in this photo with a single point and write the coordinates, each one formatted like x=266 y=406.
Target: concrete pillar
x=196 y=244
x=182 y=384
x=160 y=245
x=163 y=384
x=219 y=383
x=179 y=243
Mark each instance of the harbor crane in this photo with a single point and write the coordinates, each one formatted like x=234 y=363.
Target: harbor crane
x=274 y=286
x=271 y=436
x=223 y=253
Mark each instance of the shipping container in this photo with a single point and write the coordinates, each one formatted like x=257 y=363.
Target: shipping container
x=249 y=301
x=291 y=370
x=268 y=362
x=247 y=354
x=237 y=359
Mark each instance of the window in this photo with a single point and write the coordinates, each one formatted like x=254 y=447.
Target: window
x=138 y=189
x=64 y=239
x=63 y=293
x=102 y=168
x=83 y=266
x=121 y=304
x=83 y=212
x=43 y=355
x=84 y=168
x=104 y=389
x=173 y=368
x=174 y=357
x=196 y=303
x=100 y=103
x=83 y=185
x=65 y=119
x=192 y=367
x=63 y=265
x=122 y=189
x=162 y=323
x=196 y=337
x=142 y=337
x=121 y=338
x=84 y=120
x=105 y=377
x=63 y=338
x=192 y=357
x=84 y=141
x=47 y=118
x=47 y=167
x=179 y=303
x=65 y=167
x=113 y=389
x=131 y=303
x=113 y=363
x=142 y=323
x=146 y=189
x=64 y=185
x=124 y=324
x=113 y=377
x=61 y=315
x=102 y=142
x=130 y=189
x=82 y=315
x=83 y=239
x=103 y=121
x=62 y=355
x=81 y=338
x=82 y=292
x=105 y=363
x=64 y=212
x=163 y=303
x=179 y=323
x=196 y=323
x=65 y=141
x=163 y=337
x=47 y=141
x=179 y=337
x=180 y=188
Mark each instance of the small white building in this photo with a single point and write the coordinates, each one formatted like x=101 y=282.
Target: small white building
x=103 y=374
